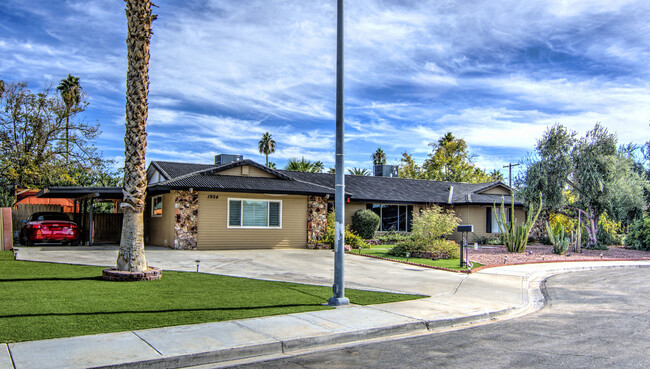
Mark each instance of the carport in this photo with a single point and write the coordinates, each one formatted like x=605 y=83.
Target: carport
x=84 y=199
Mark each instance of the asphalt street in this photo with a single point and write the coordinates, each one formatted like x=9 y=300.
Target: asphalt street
x=592 y=319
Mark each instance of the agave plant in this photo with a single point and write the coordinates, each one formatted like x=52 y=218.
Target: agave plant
x=559 y=241
x=515 y=236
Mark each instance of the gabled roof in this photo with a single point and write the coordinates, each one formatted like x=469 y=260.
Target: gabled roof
x=206 y=177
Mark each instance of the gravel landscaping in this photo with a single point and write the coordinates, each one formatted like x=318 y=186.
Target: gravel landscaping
x=499 y=255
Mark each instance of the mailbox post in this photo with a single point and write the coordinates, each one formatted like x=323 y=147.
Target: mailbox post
x=464 y=229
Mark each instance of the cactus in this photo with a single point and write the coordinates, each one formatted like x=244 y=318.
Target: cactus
x=515 y=236
x=560 y=242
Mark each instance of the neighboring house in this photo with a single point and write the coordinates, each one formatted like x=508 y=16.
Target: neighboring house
x=243 y=204
x=25 y=196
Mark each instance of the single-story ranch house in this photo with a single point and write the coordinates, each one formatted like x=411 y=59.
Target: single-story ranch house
x=241 y=204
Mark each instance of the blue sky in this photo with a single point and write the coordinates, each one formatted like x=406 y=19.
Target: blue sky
x=223 y=72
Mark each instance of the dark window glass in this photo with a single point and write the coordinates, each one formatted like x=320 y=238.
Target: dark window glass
x=274 y=214
x=235 y=213
x=409 y=217
x=402 y=218
x=389 y=217
x=50 y=216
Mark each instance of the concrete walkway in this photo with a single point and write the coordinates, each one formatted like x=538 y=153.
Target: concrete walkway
x=455 y=299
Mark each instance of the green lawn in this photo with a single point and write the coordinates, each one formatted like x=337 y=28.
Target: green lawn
x=382 y=251
x=43 y=300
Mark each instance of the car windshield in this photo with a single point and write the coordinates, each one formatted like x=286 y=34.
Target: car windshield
x=49 y=216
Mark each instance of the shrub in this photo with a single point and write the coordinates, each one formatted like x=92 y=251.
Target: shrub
x=351 y=238
x=608 y=232
x=394 y=237
x=639 y=235
x=439 y=249
x=433 y=223
x=365 y=223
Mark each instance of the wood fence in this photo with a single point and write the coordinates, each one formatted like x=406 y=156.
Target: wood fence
x=106 y=227
x=6 y=235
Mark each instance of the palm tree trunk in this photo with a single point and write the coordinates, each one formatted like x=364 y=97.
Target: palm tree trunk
x=67 y=139
x=139 y=18
x=267 y=160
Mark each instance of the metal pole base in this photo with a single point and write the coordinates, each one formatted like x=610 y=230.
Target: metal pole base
x=338 y=301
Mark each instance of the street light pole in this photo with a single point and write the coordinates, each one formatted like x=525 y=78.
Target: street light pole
x=339 y=229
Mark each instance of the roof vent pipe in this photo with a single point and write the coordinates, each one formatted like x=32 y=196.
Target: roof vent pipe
x=450 y=200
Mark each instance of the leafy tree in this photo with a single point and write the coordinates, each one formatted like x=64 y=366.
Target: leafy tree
x=379 y=157
x=408 y=168
x=70 y=90
x=303 y=165
x=266 y=146
x=448 y=161
x=331 y=170
x=131 y=255
x=359 y=172
x=43 y=143
x=599 y=178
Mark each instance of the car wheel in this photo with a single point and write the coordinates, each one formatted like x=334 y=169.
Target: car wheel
x=75 y=242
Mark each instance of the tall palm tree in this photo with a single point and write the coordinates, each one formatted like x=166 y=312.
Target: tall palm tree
x=359 y=172
x=266 y=146
x=139 y=18
x=379 y=157
x=70 y=91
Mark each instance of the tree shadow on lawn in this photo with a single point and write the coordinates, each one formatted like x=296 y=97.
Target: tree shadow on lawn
x=97 y=278
x=162 y=311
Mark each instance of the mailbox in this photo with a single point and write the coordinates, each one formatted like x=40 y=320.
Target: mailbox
x=465 y=228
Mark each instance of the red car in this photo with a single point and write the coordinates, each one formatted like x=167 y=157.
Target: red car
x=49 y=227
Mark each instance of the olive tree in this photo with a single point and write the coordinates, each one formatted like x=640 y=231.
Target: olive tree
x=587 y=175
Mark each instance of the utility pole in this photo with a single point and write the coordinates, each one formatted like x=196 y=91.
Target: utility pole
x=509 y=166
x=339 y=229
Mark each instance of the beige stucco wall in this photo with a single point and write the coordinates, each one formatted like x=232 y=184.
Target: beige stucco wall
x=475 y=215
x=350 y=209
x=497 y=191
x=252 y=172
x=215 y=235
x=161 y=229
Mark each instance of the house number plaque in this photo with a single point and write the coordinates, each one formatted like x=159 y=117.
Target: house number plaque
x=213 y=197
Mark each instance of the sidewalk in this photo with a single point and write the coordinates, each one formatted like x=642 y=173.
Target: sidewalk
x=486 y=295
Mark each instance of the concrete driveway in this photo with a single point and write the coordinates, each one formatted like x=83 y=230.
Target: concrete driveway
x=288 y=265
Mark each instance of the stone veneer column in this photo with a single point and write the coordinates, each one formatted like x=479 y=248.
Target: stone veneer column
x=186 y=220
x=316 y=219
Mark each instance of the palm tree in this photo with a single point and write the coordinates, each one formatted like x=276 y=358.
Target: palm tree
x=379 y=157
x=303 y=165
x=496 y=175
x=266 y=146
x=71 y=94
x=271 y=165
x=359 y=172
x=139 y=18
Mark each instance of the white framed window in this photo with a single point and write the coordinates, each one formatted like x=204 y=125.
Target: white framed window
x=253 y=213
x=157 y=206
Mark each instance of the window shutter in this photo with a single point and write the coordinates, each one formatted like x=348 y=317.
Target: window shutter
x=488 y=220
x=235 y=213
x=274 y=214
